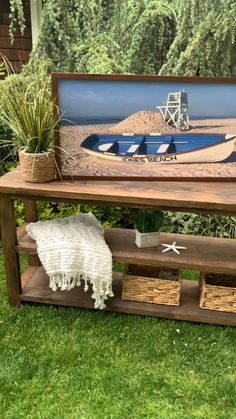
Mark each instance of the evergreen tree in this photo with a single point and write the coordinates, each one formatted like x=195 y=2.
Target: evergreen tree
x=205 y=39
x=168 y=37
x=152 y=36
x=126 y=36
x=66 y=24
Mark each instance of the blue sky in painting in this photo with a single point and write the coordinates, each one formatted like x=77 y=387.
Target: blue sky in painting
x=104 y=101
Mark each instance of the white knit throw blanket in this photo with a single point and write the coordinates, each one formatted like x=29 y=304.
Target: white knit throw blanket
x=73 y=249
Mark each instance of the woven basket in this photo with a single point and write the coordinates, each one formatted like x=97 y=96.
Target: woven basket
x=151 y=285
x=218 y=292
x=37 y=167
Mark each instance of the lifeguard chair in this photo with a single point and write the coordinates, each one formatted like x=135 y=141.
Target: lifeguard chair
x=175 y=111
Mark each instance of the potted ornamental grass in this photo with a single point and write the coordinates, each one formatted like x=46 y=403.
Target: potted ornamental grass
x=147 y=225
x=27 y=109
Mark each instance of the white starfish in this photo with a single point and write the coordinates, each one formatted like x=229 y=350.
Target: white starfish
x=172 y=247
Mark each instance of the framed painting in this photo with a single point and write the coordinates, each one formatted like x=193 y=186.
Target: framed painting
x=137 y=127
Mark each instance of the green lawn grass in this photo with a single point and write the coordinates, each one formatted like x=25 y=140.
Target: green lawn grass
x=70 y=363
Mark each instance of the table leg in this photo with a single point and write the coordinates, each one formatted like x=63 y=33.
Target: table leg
x=30 y=210
x=31 y=216
x=11 y=257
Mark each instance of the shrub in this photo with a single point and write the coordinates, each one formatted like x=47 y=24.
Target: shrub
x=173 y=222
x=201 y=224
x=5 y=137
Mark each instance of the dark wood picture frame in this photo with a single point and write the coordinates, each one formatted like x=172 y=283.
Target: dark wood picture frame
x=229 y=175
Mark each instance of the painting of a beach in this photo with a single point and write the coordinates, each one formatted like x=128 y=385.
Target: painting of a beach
x=130 y=124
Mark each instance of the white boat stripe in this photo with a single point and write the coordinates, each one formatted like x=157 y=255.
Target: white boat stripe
x=163 y=148
x=105 y=147
x=133 y=148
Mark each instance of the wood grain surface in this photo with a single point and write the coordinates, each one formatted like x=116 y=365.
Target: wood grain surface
x=37 y=290
x=212 y=197
x=31 y=216
x=202 y=253
x=9 y=241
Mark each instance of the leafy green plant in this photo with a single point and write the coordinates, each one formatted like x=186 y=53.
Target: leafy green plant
x=6 y=166
x=28 y=111
x=110 y=216
x=173 y=222
x=200 y=224
x=5 y=148
x=147 y=221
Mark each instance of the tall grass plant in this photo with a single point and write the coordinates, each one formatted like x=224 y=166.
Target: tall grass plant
x=147 y=221
x=26 y=109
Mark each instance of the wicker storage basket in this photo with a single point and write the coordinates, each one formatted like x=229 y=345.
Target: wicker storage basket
x=151 y=285
x=37 y=167
x=218 y=292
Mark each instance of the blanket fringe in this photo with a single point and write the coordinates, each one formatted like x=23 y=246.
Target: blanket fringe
x=73 y=250
x=66 y=281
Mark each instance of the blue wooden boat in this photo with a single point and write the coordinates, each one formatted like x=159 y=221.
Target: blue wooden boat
x=161 y=148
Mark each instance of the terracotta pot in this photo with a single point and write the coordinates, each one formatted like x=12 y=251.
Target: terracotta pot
x=147 y=239
x=37 y=167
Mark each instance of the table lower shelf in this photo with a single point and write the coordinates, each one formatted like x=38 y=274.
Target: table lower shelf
x=36 y=289
x=205 y=254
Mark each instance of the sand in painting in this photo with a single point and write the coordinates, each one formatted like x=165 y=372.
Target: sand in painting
x=79 y=163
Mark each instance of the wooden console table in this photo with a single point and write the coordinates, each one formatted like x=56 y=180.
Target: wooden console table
x=203 y=253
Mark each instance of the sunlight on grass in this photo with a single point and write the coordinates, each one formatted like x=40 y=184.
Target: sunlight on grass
x=69 y=363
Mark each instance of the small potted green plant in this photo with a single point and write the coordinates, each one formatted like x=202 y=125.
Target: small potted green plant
x=147 y=225
x=26 y=108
